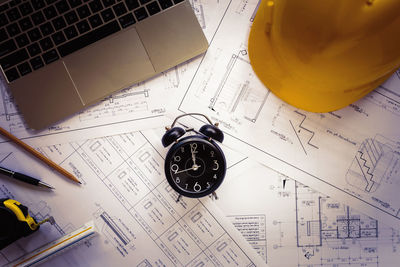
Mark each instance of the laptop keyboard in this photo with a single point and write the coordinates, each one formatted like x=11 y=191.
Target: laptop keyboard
x=35 y=33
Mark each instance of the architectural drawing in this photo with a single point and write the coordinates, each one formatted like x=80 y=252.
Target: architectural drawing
x=329 y=219
x=253 y=16
x=114 y=230
x=253 y=228
x=324 y=224
x=8 y=108
x=238 y=97
x=304 y=135
x=126 y=101
x=303 y=227
x=375 y=162
x=199 y=12
x=386 y=98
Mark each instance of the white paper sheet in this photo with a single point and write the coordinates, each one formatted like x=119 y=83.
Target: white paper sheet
x=298 y=226
x=135 y=210
x=351 y=154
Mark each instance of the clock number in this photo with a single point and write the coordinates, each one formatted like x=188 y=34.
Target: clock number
x=193 y=147
x=177 y=180
x=175 y=168
x=186 y=186
x=212 y=153
x=182 y=149
x=197 y=187
x=216 y=165
x=177 y=158
x=208 y=185
x=215 y=176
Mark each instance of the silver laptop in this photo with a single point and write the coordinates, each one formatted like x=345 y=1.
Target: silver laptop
x=59 y=56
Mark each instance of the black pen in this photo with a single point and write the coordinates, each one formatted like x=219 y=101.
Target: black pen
x=24 y=178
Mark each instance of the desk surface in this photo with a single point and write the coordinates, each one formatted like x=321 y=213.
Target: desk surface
x=351 y=154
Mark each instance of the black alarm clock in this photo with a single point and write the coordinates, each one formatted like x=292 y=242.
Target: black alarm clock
x=195 y=165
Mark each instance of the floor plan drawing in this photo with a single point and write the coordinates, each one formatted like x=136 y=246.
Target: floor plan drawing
x=323 y=223
x=314 y=229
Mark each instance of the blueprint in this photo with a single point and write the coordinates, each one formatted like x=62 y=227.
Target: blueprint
x=352 y=154
x=136 y=213
x=281 y=217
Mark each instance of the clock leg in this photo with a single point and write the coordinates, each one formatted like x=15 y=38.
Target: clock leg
x=214 y=196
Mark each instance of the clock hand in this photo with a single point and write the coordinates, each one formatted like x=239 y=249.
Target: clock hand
x=194 y=158
x=194 y=167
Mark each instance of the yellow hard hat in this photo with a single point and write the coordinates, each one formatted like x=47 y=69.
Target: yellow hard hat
x=321 y=55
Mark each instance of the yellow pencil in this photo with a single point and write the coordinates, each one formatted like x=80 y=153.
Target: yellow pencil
x=38 y=155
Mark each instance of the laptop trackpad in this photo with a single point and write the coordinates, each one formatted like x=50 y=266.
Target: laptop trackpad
x=109 y=65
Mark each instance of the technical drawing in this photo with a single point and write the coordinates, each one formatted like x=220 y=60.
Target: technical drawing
x=8 y=107
x=239 y=97
x=197 y=7
x=241 y=7
x=308 y=218
x=387 y=95
x=325 y=225
x=304 y=135
x=8 y=110
x=133 y=99
x=321 y=218
x=253 y=228
x=172 y=76
x=41 y=210
x=253 y=16
x=114 y=230
x=144 y=263
x=374 y=162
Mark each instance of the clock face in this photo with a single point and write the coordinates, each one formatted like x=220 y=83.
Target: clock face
x=195 y=167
